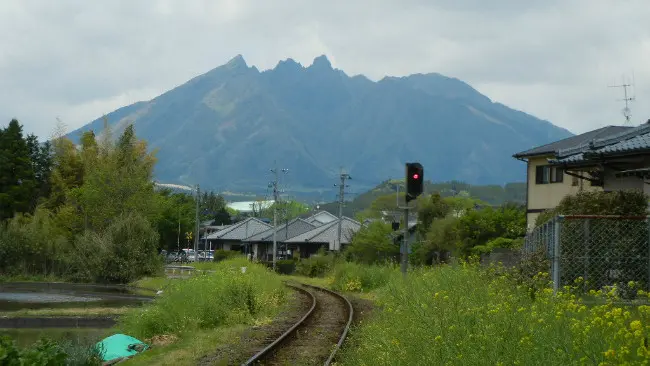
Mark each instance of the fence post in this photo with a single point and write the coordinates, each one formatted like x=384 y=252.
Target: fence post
x=587 y=237
x=556 y=253
x=647 y=220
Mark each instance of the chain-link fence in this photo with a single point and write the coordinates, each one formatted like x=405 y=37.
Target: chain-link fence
x=600 y=250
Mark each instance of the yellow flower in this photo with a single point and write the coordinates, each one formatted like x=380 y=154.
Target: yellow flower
x=636 y=325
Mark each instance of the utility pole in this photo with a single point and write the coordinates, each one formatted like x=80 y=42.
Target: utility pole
x=178 y=239
x=274 y=185
x=342 y=186
x=196 y=237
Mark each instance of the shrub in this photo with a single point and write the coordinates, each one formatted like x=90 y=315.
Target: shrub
x=355 y=277
x=467 y=315
x=623 y=203
x=125 y=252
x=44 y=352
x=221 y=255
x=226 y=297
x=316 y=265
x=286 y=266
x=32 y=244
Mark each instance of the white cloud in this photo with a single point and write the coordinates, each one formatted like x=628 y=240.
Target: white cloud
x=553 y=59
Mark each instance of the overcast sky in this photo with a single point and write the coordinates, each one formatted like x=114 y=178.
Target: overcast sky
x=77 y=60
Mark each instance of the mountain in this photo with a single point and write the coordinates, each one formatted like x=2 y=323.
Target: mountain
x=224 y=129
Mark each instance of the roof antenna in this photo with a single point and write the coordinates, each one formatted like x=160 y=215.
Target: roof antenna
x=627 y=113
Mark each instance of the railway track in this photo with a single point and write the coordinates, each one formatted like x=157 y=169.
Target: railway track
x=316 y=337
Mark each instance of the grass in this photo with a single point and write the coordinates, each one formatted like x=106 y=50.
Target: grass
x=189 y=349
x=203 y=302
x=85 y=312
x=30 y=278
x=467 y=315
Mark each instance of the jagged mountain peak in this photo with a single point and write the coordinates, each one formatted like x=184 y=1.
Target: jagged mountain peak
x=229 y=125
x=321 y=62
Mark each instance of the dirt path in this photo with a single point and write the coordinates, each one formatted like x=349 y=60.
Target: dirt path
x=256 y=338
x=313 y=342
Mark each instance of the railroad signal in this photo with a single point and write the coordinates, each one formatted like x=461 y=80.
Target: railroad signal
x=414 y=180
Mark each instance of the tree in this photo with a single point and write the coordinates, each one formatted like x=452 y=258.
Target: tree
x=440 y=238
x=373 y=244
x=41 y=158
x=17 y=179
x=430 y=208
x=289 y=210
x=211 y=205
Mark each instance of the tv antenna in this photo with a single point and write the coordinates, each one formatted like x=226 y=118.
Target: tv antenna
x=627 y=113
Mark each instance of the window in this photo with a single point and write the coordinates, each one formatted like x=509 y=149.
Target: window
x=545 y=174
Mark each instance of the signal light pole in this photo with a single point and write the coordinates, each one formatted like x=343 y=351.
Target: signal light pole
x=414 y=187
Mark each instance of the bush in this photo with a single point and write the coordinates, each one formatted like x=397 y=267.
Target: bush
x=316 y=265
x=471 y=316
x=125 y=252
x=227 y=297
x=622 y=203
x=355 y=277
x=32 y=244
x=47 y=353
x=221 y=255
x=286 y=266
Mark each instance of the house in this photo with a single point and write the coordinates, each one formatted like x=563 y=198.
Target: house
x=548 y=183
x=261 y=244
x=616 y=162
x=232 y=237
x=321 y=218
x=325 y=236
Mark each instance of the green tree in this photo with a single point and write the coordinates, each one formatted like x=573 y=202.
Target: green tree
x=431 y=207
x=440 y=238
x=373 y=244
x=289 y=210
x=480 y=226
x=17 y=179
x=117 y=180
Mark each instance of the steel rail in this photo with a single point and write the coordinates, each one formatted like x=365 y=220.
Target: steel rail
x=258 y=356
x=275 y=343
x=347 y=325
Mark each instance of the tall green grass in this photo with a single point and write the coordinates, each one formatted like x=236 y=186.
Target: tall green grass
x=227 y=297
x=467 y=315
x=354 y=277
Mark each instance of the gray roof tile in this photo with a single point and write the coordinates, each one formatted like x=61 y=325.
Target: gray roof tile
x=295 y=227
x=328 y=233
x=579 y=141
x=631 y=140
x=321 y=218
x=240 y=230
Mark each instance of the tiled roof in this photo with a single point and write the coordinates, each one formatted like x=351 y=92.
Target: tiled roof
x=573 y=142
x=294 y=228
x=328 y=233
x=241 y=230
x=640 y=142
x=321 y=218
x=631 y=140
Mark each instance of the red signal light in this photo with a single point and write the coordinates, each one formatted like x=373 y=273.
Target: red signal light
x=416 y=176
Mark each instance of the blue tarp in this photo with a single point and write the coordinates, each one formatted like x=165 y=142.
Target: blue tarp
x=120 y=345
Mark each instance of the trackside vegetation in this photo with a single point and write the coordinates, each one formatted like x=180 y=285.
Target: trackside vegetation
x=465 y=314
x=226 y=297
